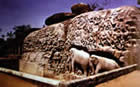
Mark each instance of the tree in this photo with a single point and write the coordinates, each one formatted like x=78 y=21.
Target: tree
x=20 y=33
x=14 y=42
x=0 y=30
x=3 y=36
x=10 y=35
x=2 y=46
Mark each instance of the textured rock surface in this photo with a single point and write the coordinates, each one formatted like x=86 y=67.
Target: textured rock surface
x=109 y=32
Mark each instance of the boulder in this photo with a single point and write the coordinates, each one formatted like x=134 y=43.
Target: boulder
x=113 y=33
x=58 y=17
x=80 y=8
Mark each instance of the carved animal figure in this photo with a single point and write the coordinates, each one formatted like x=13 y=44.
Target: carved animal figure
x=81 y=57
x=103 y=63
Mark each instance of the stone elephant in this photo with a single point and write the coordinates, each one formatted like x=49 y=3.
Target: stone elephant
x=103 y=63
x=81 y=57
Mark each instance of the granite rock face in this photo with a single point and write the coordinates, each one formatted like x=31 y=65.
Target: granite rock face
x=112 y=32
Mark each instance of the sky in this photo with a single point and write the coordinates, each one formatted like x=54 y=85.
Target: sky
x=34 y=12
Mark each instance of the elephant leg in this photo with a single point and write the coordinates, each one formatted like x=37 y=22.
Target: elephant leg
x=98 y=67
x=85 y=70
x=72 y=65
x=91 y=66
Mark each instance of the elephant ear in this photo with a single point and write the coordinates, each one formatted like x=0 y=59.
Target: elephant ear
x=96 y=61
x=92 y=57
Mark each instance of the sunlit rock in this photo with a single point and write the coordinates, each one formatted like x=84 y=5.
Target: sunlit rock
x=112 y=33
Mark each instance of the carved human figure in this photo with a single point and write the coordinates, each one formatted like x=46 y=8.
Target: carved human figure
x=103 y=63
x=81 y=57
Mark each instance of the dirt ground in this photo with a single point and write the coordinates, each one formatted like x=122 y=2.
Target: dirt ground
x=130 y=80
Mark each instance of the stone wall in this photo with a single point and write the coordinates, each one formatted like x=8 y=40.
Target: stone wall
x=28 y=80
x=111 y=33
x=92 y=81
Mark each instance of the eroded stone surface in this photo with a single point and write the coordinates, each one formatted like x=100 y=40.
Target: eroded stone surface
x=114 y=32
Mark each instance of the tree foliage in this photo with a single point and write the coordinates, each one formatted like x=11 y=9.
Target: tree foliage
x=14 y=42
x=0 y=30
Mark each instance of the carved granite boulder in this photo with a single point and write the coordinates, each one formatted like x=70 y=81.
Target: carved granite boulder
x=112 y=33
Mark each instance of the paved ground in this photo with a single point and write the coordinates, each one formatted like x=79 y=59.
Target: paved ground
x=130 y=80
